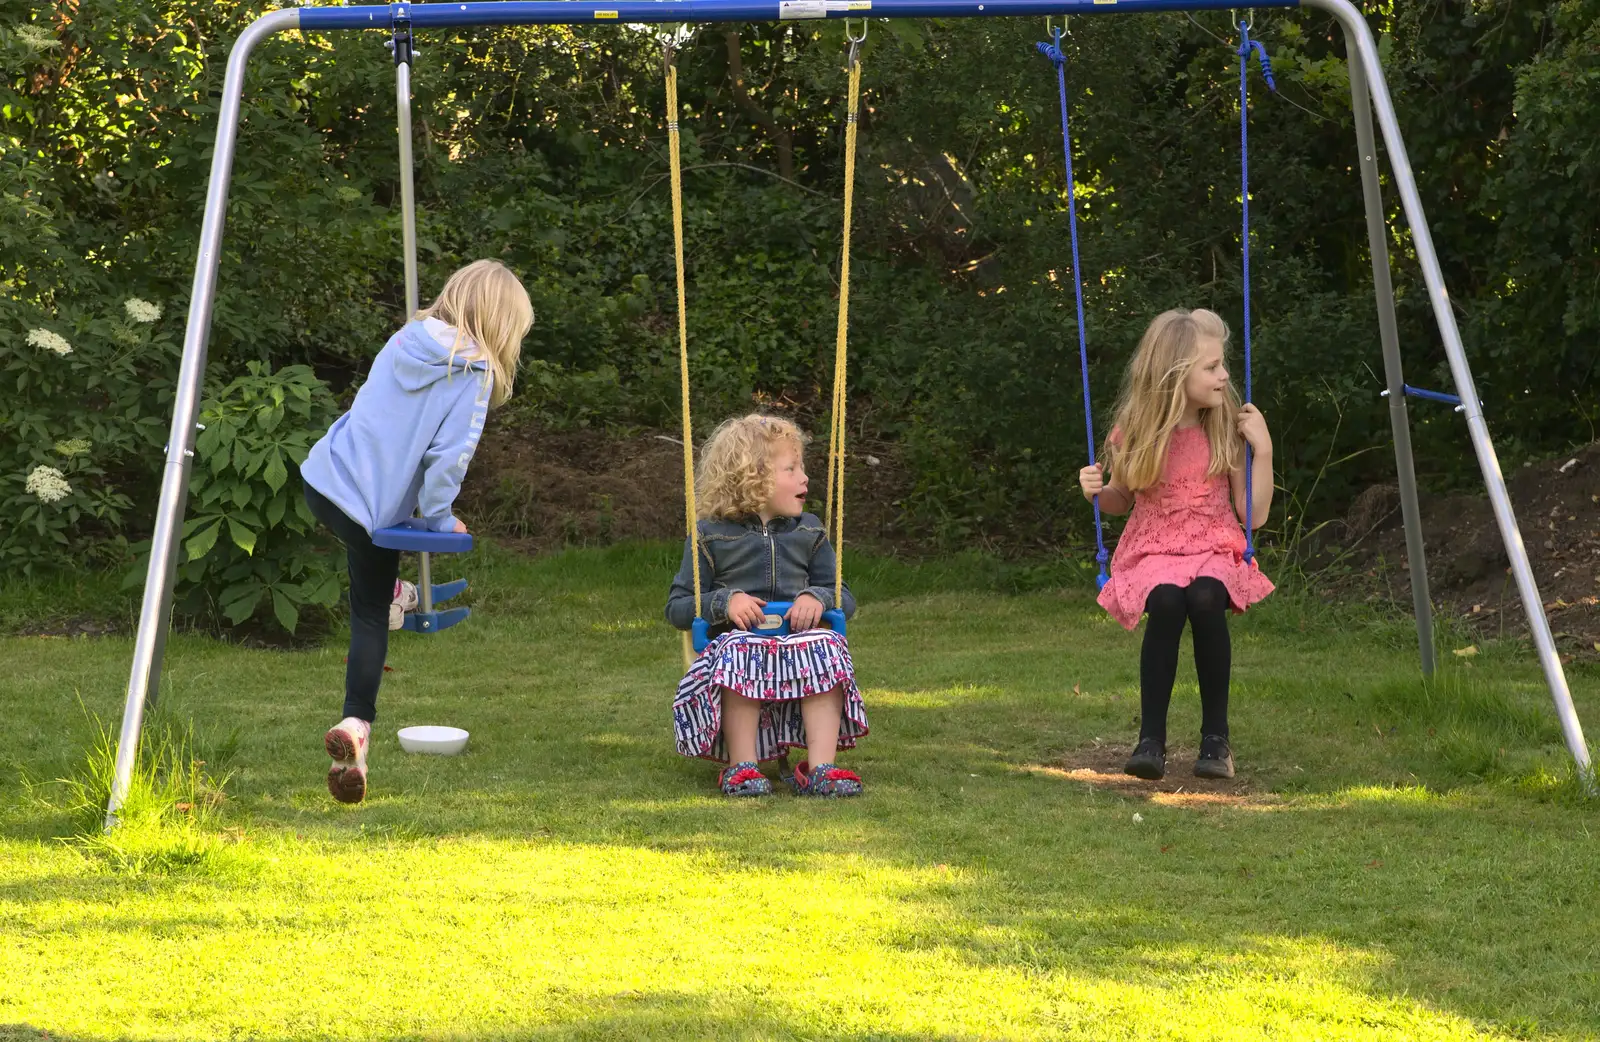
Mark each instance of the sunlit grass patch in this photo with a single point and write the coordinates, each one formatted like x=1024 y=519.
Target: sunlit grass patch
x=570 y=877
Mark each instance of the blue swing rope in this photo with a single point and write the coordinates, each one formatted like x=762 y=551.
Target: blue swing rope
x=1246 y=45
x=1054 y=53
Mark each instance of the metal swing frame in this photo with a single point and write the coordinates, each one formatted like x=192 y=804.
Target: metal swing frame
x=1369 y=91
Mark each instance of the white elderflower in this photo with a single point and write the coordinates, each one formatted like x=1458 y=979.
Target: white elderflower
x=48 y=483
x=73 y=446
x=35 y=37
x=49 y=341
x=142 y=310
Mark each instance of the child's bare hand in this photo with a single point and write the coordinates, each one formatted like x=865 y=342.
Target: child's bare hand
x=805 y=613
x=1253 y=428
x=1092 y=479
x=745 y=611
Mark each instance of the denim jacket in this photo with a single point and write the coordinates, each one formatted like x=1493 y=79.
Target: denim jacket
x=777 y=561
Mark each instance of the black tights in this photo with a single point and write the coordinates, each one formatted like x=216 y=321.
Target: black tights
x=373 y=571
x=1204 y=605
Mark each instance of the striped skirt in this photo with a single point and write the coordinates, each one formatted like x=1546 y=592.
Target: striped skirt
x=777 y=671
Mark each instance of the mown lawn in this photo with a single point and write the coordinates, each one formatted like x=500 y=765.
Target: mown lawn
x=1409 y=862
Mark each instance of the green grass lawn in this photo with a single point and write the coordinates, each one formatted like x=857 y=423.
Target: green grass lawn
x=1412 y=862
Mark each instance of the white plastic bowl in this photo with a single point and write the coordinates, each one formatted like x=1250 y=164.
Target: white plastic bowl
x=440 y=741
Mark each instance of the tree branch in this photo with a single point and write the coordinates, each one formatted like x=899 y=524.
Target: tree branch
x=782 y=137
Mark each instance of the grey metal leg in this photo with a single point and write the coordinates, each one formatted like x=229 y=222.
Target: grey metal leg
x=408 y=223
x=1363 y=49
x=155 y=611
x=1399 y=422
x=408 y=192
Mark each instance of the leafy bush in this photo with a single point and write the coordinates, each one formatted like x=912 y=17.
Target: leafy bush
x=250 y=545
x=545 y=148
x=82 y=411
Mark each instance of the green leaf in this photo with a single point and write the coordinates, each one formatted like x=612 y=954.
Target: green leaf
x=275 y=508
x=245 y=606
x=326 y=592
x=201 y=544
x=288 y=615
x=243 y=537
x=241 y=494
x=276 y=473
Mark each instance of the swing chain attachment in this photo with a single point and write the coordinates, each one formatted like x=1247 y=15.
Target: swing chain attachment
x=400 y=43
x=674 y=39
x=1247 y=44
x=1233 y=18
x=1053 y=51
x=855 y=41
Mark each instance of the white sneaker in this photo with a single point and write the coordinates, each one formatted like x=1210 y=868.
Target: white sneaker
x=405 y=599
x=347 y=742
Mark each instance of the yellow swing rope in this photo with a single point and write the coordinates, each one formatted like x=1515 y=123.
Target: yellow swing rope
x=683 y=337
x=836 y=456
x=835 y=518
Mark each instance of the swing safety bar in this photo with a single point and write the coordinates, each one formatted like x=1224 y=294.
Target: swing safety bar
x=1369 y=93
x=774 y=623
x=1432 y=396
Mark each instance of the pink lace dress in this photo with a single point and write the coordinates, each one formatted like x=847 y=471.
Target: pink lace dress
x=1181 y=529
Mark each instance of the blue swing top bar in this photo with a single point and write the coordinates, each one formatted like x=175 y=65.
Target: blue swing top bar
x=574 y=12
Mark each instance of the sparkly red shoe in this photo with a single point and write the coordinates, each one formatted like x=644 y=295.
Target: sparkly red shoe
x=828 y=781
x=744 y=779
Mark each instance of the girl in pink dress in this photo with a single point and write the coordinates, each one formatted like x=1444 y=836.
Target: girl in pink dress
x=1176 y=458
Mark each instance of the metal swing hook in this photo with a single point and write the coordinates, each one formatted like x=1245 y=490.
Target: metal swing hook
x=855 y=41
x=674 y=39
x=1051 y=31
x=1247 y=26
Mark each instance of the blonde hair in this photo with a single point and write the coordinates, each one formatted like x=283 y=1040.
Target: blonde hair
x=735 y=476
x=1153 y=401
x=489 y=309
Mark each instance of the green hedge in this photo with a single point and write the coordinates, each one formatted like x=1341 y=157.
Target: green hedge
x=544 y=147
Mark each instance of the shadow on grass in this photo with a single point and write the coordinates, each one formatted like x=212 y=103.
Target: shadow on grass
x=1390 y=862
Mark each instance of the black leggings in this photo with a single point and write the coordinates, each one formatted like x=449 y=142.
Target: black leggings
x=1204 y=605
x=373 y=571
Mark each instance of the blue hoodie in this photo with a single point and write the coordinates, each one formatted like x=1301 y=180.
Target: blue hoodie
x=409 y=435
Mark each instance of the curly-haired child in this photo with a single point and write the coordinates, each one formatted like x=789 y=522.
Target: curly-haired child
x=750 y=697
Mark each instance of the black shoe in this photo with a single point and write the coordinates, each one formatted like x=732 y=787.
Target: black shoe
x=1216 y=759
x=1149 y=760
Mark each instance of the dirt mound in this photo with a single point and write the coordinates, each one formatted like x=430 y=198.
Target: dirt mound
x=539 y=490
x=1557 y=503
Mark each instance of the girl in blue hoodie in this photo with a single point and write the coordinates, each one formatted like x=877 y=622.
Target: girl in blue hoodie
x=403 y=448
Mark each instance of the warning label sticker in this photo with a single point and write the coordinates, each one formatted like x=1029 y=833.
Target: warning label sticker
x=793 y=9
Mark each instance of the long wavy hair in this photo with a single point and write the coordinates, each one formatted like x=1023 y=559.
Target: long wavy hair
x=489 y=308
x=736 y=473
x=1153 y=401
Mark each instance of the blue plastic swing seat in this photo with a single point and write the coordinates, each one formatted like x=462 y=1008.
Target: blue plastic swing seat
x=773 y=624
x=411 y=535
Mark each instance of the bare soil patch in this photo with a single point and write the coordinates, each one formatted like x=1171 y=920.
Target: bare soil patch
x=538 y=490
x=1100 y=765
x=1557 y=504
